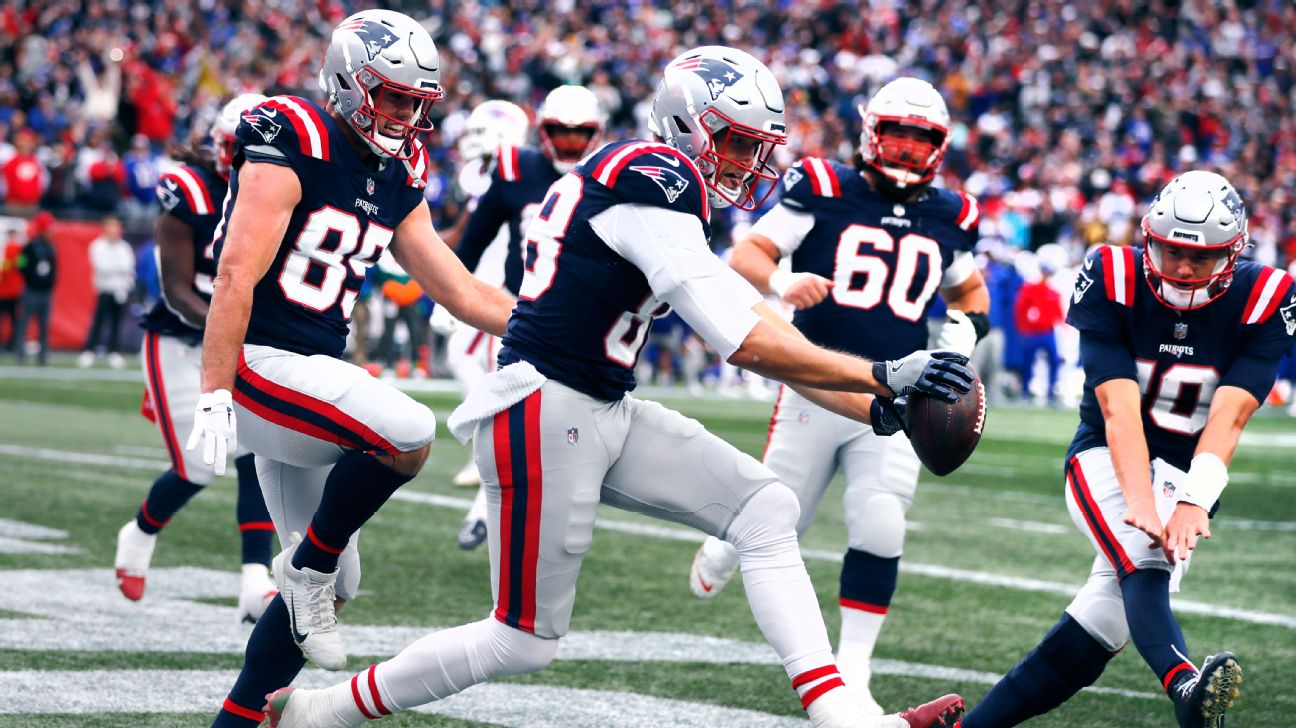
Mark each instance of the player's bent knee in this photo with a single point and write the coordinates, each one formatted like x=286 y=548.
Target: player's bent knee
x=772 y=513
x=408 y=463
x=517 y=653
x=877 y=525
x=1098 y=608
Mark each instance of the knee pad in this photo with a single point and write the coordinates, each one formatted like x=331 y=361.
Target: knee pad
x=769 y=515
x=1100 y=610
x=515 y=652
x=876 y=524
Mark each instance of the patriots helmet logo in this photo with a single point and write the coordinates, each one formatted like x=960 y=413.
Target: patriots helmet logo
x=671 y=182
x=717 y=74
x=375 y=36
x=263 y=125
x=1289 y=316
x=1083 y=281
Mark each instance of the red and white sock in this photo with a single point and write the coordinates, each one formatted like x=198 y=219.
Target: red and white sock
x=824 y=697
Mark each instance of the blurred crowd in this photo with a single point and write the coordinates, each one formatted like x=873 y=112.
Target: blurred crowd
x=1067 y=116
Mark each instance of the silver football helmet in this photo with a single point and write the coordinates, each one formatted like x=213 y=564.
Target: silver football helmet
x=222 y=131
x=722 y=107
x=906 y=132
x=492 y=124
x=570 y=108
x=1197 y=214
x=382 y=72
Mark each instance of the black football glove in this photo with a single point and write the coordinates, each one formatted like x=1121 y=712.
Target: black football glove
x=887 y=415
x=939 y=374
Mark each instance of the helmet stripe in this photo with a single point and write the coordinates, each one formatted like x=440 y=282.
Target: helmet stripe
x=970 y=214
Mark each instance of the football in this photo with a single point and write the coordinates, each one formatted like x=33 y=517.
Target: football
x=944 y=435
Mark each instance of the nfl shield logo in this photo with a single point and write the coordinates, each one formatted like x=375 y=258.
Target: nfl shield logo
x=369 y=185
x=1168 y=489
x=573 y=436
x=1181 y=331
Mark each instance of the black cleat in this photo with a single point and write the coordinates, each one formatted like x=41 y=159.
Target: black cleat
x=1200 y=701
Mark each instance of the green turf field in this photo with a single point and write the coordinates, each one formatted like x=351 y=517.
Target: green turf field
x=991 y=560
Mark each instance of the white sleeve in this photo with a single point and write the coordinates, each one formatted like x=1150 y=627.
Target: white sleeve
x=785 y=227
x=960 y=269
x=670 y=248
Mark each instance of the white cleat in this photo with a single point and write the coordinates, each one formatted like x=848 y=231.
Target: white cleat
x=134 y=552
x=309 y=596
x=256 y=592
x=714 y=565
x=468 y=476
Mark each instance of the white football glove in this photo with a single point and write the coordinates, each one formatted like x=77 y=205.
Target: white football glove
x=938 y=374
x=956 y=334
x=443 y=322
x=215 y=427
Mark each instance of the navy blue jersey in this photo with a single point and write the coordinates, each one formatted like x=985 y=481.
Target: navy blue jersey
x=193 y=196
x=349 y=209
x=1179 y=357
x=886 y=259
x=583 y=311
x=519 y=180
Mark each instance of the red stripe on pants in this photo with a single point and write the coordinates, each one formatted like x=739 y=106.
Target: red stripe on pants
x=534 y=490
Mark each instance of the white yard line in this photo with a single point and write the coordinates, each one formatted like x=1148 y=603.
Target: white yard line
x=679 y=534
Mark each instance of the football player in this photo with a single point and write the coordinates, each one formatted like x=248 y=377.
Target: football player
x=870 y=248
x=316 y=195
x=571 y=126
x=189 y=194
x=1180 y=343
x=618 y=241
x=470 y=354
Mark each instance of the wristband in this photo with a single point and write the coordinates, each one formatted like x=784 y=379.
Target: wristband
x=1206 y=480
x=980 y=323
x=781 y=280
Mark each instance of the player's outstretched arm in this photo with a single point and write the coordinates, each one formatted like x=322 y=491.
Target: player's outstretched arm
x=428 y=260
x=1119 y=400
x=253 y=234
x=174 y=241
x=1231 y=408
x=967 y=319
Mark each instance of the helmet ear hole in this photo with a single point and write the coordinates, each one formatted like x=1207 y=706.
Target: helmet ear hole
x=680 y=125
x=342 y=82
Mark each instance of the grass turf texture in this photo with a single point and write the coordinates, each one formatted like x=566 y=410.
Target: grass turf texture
x=414 y=575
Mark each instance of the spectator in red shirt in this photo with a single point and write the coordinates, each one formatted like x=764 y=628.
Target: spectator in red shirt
x=1037 y=311
x=23 y=174
x=11 y=286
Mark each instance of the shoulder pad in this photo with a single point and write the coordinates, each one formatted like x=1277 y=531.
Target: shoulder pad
x=507 y=166
x=182 y=190
x=1118 y=267
x=654 y=174
x=969 y=213
x=823 y=177
x=291 y=125
x=1268 y=292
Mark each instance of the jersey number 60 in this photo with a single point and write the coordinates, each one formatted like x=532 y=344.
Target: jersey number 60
x=851 y=263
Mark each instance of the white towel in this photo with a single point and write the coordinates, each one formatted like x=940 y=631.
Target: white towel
x=495 y=393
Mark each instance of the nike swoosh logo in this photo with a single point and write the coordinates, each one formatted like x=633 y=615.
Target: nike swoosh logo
x=705 y=586
x=667 y=159
x=269 y=111
x=298 y=637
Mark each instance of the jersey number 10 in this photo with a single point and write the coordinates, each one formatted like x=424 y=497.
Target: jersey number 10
x=1180 y=400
